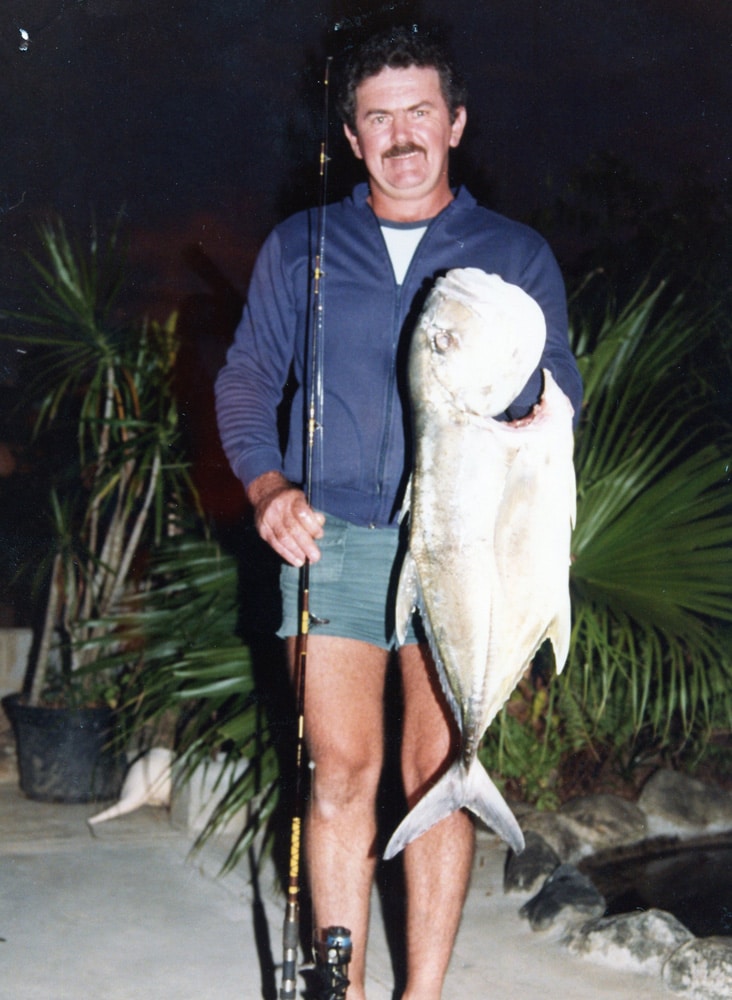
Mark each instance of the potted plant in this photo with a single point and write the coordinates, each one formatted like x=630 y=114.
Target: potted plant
x=103 y=394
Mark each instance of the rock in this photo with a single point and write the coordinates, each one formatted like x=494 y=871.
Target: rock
x=567 y=898
x=701 y=969
x=559 y=832
x=589 y=824
x=606 y=820
x=676 y=803
x=651 y=942
x=636 y=942
x=527 y=871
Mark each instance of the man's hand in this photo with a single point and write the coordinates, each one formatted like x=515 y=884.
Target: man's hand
x=284 y=518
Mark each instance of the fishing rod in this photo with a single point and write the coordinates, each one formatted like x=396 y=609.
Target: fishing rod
x=336 y=940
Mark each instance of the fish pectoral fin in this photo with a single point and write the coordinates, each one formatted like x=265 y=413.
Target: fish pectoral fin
x=459 y=789
x=407 y=502
x=407 y=595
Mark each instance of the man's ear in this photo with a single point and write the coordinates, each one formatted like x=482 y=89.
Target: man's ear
x=458 y=127
x=353 y=142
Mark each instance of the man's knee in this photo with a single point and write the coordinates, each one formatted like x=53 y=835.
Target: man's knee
x=342 y=780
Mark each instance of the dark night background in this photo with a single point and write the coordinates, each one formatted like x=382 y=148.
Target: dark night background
x=605 y=124
x=202 y=118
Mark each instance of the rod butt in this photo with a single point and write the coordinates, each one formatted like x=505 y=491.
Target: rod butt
x=288 y=989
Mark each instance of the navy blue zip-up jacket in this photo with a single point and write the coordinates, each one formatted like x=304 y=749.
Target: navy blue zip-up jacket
x=362 y=460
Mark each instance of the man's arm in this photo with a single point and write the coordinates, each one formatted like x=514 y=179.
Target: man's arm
x=248 y=393
x=542 y=280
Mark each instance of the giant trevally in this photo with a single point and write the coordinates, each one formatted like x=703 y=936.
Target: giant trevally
x=491 y=507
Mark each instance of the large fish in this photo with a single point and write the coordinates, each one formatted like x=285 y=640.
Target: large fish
x=491 y=511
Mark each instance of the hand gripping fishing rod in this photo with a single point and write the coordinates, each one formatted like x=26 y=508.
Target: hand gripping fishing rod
x=335 y=947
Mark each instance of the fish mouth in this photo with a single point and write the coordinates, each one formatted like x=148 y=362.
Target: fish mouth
x=470 y=407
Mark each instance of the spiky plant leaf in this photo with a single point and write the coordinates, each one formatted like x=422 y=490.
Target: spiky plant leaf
x=652 y=557
x=652 y=547
x=104 y=397
x=191 y=661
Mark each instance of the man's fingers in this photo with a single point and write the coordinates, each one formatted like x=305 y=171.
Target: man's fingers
x=312 y=521
x=289 y=524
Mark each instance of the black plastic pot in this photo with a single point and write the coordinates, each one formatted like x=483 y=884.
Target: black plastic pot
x=65 y=755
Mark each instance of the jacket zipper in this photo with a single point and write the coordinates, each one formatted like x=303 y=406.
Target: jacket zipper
x=378 y=513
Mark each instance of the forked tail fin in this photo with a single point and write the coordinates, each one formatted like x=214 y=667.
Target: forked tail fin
x=459 y=788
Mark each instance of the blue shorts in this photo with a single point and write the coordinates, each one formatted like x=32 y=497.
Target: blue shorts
x=352 y=587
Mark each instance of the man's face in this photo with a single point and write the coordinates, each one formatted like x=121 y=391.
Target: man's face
x=404 y=135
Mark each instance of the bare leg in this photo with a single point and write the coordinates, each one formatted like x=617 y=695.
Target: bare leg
x=437 y=865
x=344 y=733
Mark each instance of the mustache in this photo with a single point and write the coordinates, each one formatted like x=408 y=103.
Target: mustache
x=403 y=149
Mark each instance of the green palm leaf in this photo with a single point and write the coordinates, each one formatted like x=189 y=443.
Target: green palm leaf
x=193 y=662
x=652 y=552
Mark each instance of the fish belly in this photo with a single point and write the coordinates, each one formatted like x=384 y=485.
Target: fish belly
x=456 y=497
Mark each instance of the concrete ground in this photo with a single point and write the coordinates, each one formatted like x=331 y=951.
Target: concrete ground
x=127 y=914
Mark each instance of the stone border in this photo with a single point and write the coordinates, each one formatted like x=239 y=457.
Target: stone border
x=671 y=808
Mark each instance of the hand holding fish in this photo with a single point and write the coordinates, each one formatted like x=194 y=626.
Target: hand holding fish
x=284 y=518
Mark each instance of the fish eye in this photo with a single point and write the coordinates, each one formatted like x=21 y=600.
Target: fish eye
x=442 y=341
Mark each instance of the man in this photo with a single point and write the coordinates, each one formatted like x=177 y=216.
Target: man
x=403 y=111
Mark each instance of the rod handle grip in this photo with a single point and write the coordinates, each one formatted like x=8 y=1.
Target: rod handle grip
x=290 y=943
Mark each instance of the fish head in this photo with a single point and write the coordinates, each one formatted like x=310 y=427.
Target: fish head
x=476 y=343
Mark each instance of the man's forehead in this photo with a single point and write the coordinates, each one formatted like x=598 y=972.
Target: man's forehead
x=408 y=86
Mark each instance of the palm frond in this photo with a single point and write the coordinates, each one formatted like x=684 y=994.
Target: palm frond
x=193 y=662
x=105 y=405
x=652 y=546
x=652 y=552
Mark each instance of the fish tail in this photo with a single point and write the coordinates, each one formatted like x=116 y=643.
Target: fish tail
x=457 y=789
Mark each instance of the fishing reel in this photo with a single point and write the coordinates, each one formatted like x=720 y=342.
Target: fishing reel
x=332 y=955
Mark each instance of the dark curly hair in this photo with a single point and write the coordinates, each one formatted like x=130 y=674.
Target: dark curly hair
x=398 y=48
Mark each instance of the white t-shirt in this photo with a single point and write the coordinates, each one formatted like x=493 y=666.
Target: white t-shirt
x=402 y=239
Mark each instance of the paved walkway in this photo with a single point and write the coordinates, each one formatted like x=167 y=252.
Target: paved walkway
x=128 y=915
